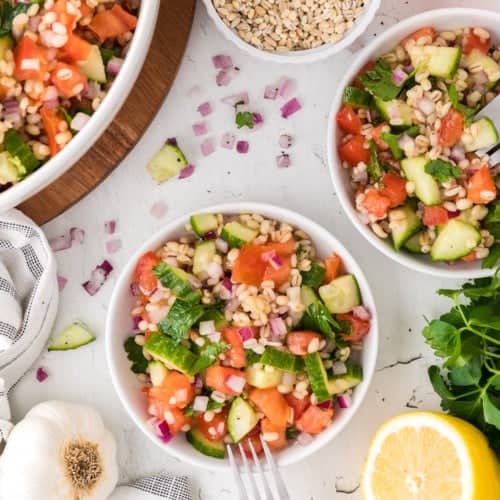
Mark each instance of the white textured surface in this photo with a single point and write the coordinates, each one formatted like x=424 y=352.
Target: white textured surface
x=403 y=297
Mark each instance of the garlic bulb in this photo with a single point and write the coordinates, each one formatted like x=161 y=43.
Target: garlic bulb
x=60 y=451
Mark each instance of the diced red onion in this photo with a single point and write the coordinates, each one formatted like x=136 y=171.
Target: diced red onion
x=453 y=214
x=344 y=400
x=77 y=234
x=222 y=61
x=426 y=106
x=61 y=282
x=285 y=141
x=158 y=209
x=61 y=242
x=51 y=104
x=246 y=333
x=214 y=337
x=228 y=140
x=205 y=109
x=457 y=153
x=226 y=283
x=242 y=147
x=274 y=260
x=480 y=78
x=11 y=111
x=364 y=218
x=291 y=107
x=41 y=375
x=232 y=305
x=234 y=99
x=157 y=314
x=326 y=404
x=285 y=86
x=257 y=119
x=135 y=290
x=339 y=368
x=211 y=235
x=110 y=227
x=235 y=383
x=195 y=283
x=221 y=245
x=408 y=67
x=207 y=147
x=90 y=91
x=361 y=312
x=114 y=66
x=223 y=78
x=98 y=278
x=200 y=128
x=278 y=327
x=198 y=382
x=283 y=160
x=214 y=270
x=206 y=327
x=271 y=92
x=112 y=246
x=172 y=141
x=186 y=172
x=200 y=403
x=163 y=431
x=399 y=76
x=79 y=121
x=157 y=295
x=304 y=439
x=135 y=322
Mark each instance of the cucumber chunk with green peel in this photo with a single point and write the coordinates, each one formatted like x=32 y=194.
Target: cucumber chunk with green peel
x=491 y=68
x=173 y=355
x=282 y=360
x=413 y=244
x=6 y=43
x=404 y=223
x=308 y=296
x=258 y=376
x=72 y=337
x=341 y=295
x=357 y=97
x=486 y=135
x=438 y=61
x=395 y=109
x=426 y=187
x=9 y=172
x=178 y=281
x=237 y=234
x=217 y=316
x=242 y=418
x=93 y=67
x=200 y=442
x=167 y=163
x=342 y=383
x=203 y=223
x=204 y=254
x=318 y=377
x=157 y=372
x=17 y=147
x=456 y=240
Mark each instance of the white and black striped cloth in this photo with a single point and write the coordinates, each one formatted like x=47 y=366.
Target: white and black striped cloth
x=155 y=487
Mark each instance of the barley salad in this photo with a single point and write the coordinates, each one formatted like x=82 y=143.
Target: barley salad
x=414 y=145
x=58 y=59
x=242 y=331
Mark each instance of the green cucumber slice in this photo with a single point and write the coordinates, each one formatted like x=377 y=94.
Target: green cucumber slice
x=241 y=420
x=6 y=43
x=413 y=244
x=237 y=234
x=487 y=135
x=72 y=337
x=204 y=253
x=157 y=372
x=341 y=295
x=217 y=316
x=258 y=376
x=426 y=187
x=177 y=280
x=215 y=449
x=167 y=163
x=395 y=109
x=282 y=360
x=203 y=223
x=17 y=147
x=93 y=67
x=357 y=97
x=317 y=376
x=456 y=240
x=404 y=223
x=442 y=62
x=173 y=355
x=8 y=170
x=342 y=383
x=308 y=296
x=489 y=65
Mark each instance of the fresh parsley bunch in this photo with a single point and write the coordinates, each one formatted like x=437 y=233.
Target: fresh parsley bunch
x=468 y=339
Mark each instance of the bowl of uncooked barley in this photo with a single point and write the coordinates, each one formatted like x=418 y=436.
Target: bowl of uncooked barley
x=292 y=31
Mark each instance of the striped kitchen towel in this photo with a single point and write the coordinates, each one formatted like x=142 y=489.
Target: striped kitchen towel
x=155 y=487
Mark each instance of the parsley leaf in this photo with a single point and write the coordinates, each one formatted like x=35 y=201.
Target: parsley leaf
x=491 y=260
x=291 y=433
x=318 y=318
x=442 y=170
x=374 y=168
x=244 y=119
x=313 y=277
x=252 y=357
x=8 y=12
x=380 y=83
x=135 y=355
x=467 y=112
x=392 y=140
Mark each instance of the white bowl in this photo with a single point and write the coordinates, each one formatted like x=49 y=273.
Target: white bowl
x=442 y=19
x=298 y=56
x=118 y=327
x=110 y=106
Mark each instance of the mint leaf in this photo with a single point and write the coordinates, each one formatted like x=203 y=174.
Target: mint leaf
x=251 y=357
x=244 y=119
x=468 y=113
x=467 y=374
x=442 y=170
x=492 y=258
x=378 y=81
x=8 y=12
x=135 y=355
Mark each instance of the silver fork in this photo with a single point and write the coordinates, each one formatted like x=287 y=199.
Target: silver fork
x=246 y=467
x=492 y=111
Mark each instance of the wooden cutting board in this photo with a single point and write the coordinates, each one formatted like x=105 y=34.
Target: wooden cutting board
x=156 y=78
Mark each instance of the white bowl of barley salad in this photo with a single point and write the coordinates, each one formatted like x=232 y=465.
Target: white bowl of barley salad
x=119 y=322
x=444 y=22
x=275 y=31
x=69 y=48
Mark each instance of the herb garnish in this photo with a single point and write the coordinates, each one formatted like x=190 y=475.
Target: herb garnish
x=379 y=81
x=442 y=170
x=135 y=355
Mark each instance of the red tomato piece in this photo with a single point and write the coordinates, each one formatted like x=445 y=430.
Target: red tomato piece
x=272 y=404
x=30 y=60
x=315 y=419
x=110 y=24
x=427 y=32
x=51 y=121
x=471 y=257
x=176 y=390
x=353 y=151
x=376 y=133
x=348 y=120
x=333 y=265
x=257 y=445
x=481 y=187
x=359 y=328
x=452 y=127
x=375 y=203
x=68 y=79
x=249 y=267
x=282 y=249
x=236 y=354
x=143 y=273
x=278 y=276
x=126 y=17
x=298 y=406
x=216 y=378
x=214 y=430
x=76 y=49
x=394 y=189
x=434 y=216
x=298 y=342
x=274 y=431
x=472 y=42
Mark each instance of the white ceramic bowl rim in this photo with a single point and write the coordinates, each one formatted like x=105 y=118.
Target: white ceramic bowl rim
x=299 y=56
x=110 y=106
x=338 y=174
x=114 y=341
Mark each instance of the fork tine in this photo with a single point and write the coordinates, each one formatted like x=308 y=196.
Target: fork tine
x=258 y=466
x=278 y=480
x=495 y=158
x=248 y=470
x=236 y=473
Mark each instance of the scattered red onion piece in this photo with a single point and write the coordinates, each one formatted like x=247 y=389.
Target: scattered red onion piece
x=200 y=128
x=62 y=242
x=399 y=76
x=41 y=375
x=361 y=312
x=326 y=404
x=222 y=61
x=290 y=107
x=227 y=284
x=135 y=290
x=278 y=326
x=172 y=141
x=112 y=246
x=283 y=160
x=97 y=278
x=207 y=147
x=271 y=92
x=227 y=141
x=163 y=431
x=234 y=99
x=454 y=214
x=198 y=382
x=77 y=234
x=344 y=400
x=246 y=333
x=285 y=86
x=114 y=65
x=211 y=235
x=61 y=282
x=257 y=119
x=242 y=147
x=223 y=78
x=110 y=227
x=205 y=109
x=285 y=141
x=186 y=172
x=158 y=209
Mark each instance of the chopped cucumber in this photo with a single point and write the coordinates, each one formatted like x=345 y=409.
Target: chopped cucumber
x=426 y=187
x=242 y=418
x=317 y=376
x=308 y=296
x=395 y=109
x=17 y=147
x=456 y=240
x=237 y=234
x=72 y=337
x=8 y=170
x=357 y=97
x=489 y=65
x=341 y=383
x=487 y=135
x=157 y=372
x=258 y=376
x=6 y=43
x=203 y=223
x=173 y=355
x=177 y=280
x=282 y=360
x=442 y=62
x=468 y=217
x=93 y=67
x=167 y=163
x=413 y=244
x=341 y=295
x=204 y=254
x=200 y=442
x=217 y=316
x=404 y=223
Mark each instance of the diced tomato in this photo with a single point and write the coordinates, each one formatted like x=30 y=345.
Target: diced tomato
x=278 y=276
x=272 y=404
x=216 y=378
x=269 y=428
x=176 y=390
x=452 y=127
x=481 y=187
x=236 y=354
x=367 y=67
x=30 y=60
x=353 y=151
x=298 y=342
x=359 y=328
x=427 y=32
x=51 y=120
x=112 y=23
x=175 y=419
x=86 y=10
x=471 y=257
x=68 y=79
x=143 y=273
x=333 y=264
x=76 y=49
x=315 y=419
x=376 y=133
x=158 y=408
x=434 y=216
x=282 y=249
x=298 y=406
x=375 y=203
x=128 y=19
x=394 y=189
x=216 y=428
x=257 y=445
x=249 y=268
x=472 y=42
x=348 y=120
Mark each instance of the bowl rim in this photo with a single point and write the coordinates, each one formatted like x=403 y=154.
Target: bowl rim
x=279 y=213
x=468 y=271
x=301 y=56
x=99 y=122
